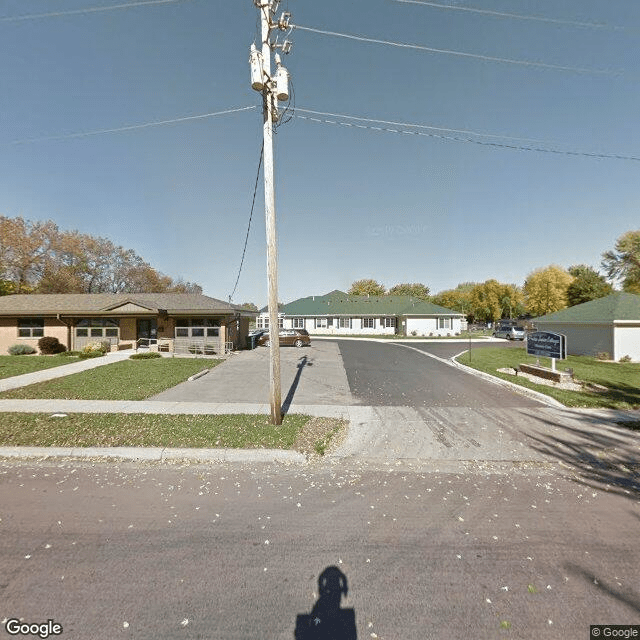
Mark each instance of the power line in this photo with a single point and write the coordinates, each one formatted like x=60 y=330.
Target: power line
x=255 y=190
x=424 y=126
x=514 y=16
x=526 y=63
x=132 y=127
x=484 y=143
x=71 y=12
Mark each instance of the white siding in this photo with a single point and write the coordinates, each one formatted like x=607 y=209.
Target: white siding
x=584 y=339
x=429 y=326
x=627 y=342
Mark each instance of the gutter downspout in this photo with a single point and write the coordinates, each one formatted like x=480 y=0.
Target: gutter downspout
x=68 y=325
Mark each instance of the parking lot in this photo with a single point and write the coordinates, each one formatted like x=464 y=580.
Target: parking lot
x=310 y=375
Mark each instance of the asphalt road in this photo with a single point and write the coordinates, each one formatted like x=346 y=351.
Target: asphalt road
x=119 y=551
x=398 y=374
x=482 y=515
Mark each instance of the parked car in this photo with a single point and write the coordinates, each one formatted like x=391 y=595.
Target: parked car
x=510 y=333
x=290 y=337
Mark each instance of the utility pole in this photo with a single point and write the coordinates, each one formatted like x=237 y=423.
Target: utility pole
x=273 y=88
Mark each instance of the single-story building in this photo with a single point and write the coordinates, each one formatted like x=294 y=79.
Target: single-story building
x=340 y=313
x=176 y=322
x=608 y=325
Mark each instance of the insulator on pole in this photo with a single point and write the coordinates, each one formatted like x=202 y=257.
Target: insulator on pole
x=282 y=84
x=257 y=75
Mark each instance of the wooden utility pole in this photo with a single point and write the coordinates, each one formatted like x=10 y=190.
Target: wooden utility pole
x=271 y=86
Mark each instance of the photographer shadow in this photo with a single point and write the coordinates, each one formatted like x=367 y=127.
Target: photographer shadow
x=327 y=621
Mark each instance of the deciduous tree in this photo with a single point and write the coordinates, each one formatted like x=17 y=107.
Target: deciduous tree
x=587 y=285
x=623 y=263
x=415 y=290
x=365 y=287
x=545 y=290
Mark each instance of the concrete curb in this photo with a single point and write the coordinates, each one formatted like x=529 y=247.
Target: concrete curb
x=535 y=395
x=195 y=376
x=157 y=454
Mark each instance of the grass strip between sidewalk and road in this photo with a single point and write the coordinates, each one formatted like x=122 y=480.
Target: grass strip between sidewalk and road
x=621 y=379
x=298 y=432
x=18 y=365
x=123 y=380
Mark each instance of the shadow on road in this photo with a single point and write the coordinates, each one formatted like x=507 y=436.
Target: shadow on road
x=327 y=621
x=302 y=363
x=600 y=457
x=628 y=597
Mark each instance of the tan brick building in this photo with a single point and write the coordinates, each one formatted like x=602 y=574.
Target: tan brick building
x=176 y=322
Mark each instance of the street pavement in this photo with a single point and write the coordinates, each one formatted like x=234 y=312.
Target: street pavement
x=459 y=510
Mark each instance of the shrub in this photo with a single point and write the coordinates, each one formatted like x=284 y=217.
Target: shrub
x=49 y=345
x=414 y=333
x=102 y=347
x=626 y=358
x=148 y=355
x=20 y=350
x=603 y=355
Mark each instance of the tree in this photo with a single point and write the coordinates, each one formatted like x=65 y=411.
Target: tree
x=37 y=256
x=415 y=290
x=623 y=264
x=23 y=250
x=456 y=299
x=545 y=290
x=367 y=287
x=250 y=306
x=587 y=285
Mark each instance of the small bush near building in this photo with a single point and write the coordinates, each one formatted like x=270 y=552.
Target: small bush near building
x=20 y=350
x=49 y=346
x=148 y=355
x=625 y=359
x=96 y=349
x=603 y=355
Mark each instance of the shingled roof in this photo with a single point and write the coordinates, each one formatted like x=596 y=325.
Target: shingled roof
x=92 y=303
x=338 y=303
x=618 y=306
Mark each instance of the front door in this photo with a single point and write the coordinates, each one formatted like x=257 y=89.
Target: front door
x=147 y=331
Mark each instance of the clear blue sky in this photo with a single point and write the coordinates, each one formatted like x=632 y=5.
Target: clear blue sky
x=351 y=202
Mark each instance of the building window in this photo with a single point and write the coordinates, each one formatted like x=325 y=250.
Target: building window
x=262 y=322
x=197 y=328
x=344 y=323
x=368 y=323
x=97 y=328
x=444 y=323
x=388 y=322
x=298 y=323
x=321 y=323
x=30 y=327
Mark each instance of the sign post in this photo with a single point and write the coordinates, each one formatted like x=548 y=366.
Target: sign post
x=549 y=345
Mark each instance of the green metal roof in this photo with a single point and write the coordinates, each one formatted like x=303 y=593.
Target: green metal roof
x=617 y=306
x=338 y=303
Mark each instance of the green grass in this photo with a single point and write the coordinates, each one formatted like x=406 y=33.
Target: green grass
x=143 y=430
x=621 y=379
x=17 y=365
x=124 y=380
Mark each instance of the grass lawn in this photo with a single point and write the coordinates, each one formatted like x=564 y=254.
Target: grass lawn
x=123 y=380
x=621 y=379
x=17 y=365
x=298 y=432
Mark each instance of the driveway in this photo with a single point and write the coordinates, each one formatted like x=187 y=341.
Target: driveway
x=311 y=375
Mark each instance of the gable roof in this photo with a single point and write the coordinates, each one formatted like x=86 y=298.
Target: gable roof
x=617 y=306
x=338 y=303
x=94 y=303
